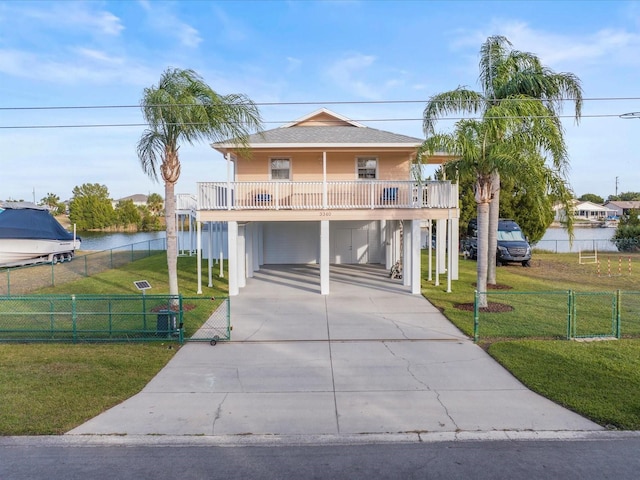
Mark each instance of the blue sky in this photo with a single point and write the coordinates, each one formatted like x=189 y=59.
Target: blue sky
x=291 y=57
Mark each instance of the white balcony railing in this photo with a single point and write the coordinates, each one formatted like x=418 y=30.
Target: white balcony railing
x=329 y=195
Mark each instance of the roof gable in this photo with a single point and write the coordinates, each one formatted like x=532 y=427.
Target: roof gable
x=323 y=118
x=325 y=129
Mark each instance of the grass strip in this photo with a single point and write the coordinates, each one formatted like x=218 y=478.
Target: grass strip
x=48 y=389
x=599 y=380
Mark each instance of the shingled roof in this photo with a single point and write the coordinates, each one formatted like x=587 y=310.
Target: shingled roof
x=327 y=129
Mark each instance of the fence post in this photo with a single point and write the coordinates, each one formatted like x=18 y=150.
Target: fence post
x=476 y=320
x=110 y=320
x=86 y=271
x=618 y=301
x=8 y=283
x=53 y=281
x=74 y=318
x=229 y=318
x=569 y=313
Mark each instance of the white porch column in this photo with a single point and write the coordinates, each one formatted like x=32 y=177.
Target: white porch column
x=232 y=261
x=210 y=254
x=449 y=251
x=324 y=257
x=249 y=248
x=257 y=228
x=221 y=247
x=242 y=256
x=228 y=181
x=430 y=247
x=199 y=256
x=386 y=242
x=406 y=252
x=324 y=180
x=415 y=257
x=455 y=250
x=441 y=245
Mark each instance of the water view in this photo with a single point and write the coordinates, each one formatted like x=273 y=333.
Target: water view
x=584 y=239
x=97 y=241
x=554 y=240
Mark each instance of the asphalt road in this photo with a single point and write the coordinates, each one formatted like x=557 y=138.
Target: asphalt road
x=567 y=459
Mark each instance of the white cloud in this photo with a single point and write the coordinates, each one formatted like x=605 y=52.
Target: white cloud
x=75 y=70
x=100 y=56
x=559 y=50
x=76 y=15
x=168 y=23
x=293 y=64
x=347 y=74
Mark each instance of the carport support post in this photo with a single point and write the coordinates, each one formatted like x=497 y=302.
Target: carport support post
x=210 y=253
x=415 y=257
x=324 y=257
x=407 y=227
x=232 y=261
x=241 y=268
x=199 y=255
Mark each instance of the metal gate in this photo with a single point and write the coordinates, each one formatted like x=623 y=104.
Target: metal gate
x=594 y=315
x=217 y=327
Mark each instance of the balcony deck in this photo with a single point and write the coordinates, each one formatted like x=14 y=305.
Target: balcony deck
x=320 y=195
x=305 y=200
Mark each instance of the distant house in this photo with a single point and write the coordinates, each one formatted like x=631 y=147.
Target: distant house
x=586 y=211
x=138 y=199
x=622 y=207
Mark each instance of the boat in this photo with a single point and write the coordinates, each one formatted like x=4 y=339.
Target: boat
x=29 y=234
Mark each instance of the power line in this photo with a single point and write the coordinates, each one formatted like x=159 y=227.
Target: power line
x=275 y=104
x=324 y=122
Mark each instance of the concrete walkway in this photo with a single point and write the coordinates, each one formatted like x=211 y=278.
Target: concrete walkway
x=370 y=358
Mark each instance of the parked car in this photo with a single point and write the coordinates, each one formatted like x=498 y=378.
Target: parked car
x=513 y=246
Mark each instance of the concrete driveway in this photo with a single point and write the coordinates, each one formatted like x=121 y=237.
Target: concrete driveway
x=370 y=358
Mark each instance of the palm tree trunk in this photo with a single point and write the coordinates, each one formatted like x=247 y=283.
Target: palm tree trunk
x=172 y=239
x=483 y=237
x=494 y=215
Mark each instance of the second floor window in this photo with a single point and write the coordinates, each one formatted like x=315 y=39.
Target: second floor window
x=280 y=169
x=367 y=168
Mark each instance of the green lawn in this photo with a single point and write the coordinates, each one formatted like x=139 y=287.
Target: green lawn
x=598 y=379
x=51 y=388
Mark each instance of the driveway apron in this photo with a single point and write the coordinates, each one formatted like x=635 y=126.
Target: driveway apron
x=369 y=358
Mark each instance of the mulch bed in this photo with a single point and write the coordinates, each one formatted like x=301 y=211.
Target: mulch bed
x=492 y=307
x=495 y=286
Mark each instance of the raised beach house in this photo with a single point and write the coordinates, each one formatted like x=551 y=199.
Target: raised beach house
x=328 y=190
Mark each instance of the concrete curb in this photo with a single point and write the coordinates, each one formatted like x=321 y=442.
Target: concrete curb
x=303 y=440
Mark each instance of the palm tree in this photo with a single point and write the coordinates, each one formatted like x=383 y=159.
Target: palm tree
x=507 y=74
x=514 y=137
x=183 y=108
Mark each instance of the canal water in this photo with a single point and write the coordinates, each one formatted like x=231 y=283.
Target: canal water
x=554 y=239
x=98 y=241
x=584 y=239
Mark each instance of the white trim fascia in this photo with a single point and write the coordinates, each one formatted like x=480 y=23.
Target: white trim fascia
x=223 y=147
x=319 y=111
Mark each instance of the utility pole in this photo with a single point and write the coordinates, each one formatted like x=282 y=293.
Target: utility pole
x=627 y=116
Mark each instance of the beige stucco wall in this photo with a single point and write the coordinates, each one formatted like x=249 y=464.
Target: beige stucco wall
x=307 y=166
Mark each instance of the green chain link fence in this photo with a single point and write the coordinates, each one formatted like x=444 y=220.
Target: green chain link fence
x=115 y=318
x=23 y=280
x=557 y=315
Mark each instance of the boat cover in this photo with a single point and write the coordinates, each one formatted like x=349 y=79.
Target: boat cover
x=31 y=223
